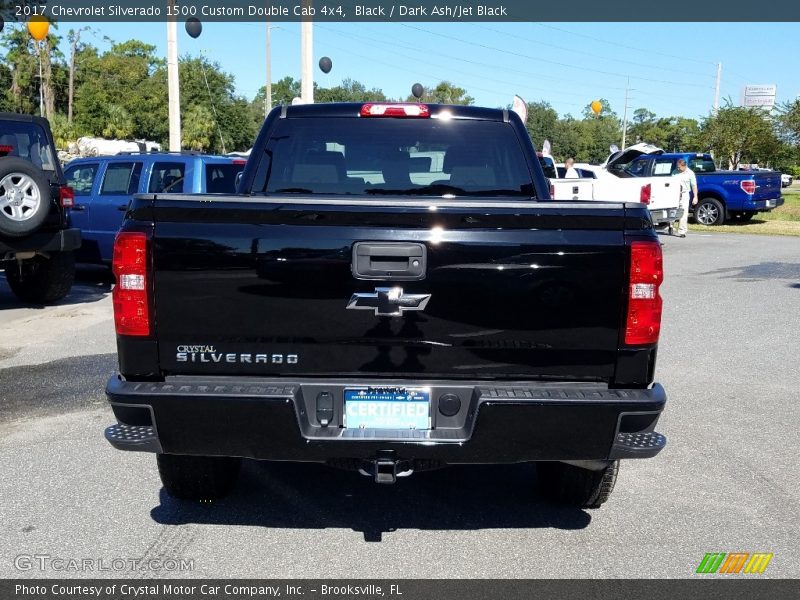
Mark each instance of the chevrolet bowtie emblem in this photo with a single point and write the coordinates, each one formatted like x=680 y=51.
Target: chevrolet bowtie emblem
x=388 y=302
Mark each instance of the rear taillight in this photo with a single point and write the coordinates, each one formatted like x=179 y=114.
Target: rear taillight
x=67 y=196
x=643 y=323
x=644 y=194
x=395 y=110
x=239 y=162
x=748 y=186
x=552 y=191
x=130 y=295
x=4 y=149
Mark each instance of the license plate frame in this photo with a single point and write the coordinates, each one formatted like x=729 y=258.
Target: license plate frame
x=387 y=408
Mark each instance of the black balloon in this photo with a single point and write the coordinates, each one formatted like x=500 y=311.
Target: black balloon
x=194 y=27
x=325 y=64
x=417 y=90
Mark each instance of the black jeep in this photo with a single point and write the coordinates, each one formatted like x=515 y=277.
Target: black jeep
x=36 y=246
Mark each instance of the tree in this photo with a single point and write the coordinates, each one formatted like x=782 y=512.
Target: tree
x=128 y=76
x=203 y=83
x=23 y=93
x=605 y=111
x=444 y=93
x=119 y=123
x=789 y=121
x=349 y=91
x=199 y=128
x=740 y=134
x=541 y=125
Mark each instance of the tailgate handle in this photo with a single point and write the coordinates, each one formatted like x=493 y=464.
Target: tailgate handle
x=389 y=260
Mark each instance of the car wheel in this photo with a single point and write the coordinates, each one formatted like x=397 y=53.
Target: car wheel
x=198 y=477
x=709 y=211
x=41 y=280
x=24 y=197
x=568 y=484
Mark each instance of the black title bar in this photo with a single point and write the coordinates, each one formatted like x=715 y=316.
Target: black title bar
x=454 y=11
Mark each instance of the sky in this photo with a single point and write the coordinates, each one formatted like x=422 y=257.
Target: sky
x=668 y=68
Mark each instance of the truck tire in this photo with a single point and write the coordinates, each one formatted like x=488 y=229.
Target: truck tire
x=24 y=197
x=41 y=280
x=709 y=212
x=198 y=477
x=568 y=484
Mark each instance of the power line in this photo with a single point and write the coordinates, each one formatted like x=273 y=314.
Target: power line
x=539 y=59
x=426 y=53
x=648 y=50
x=592 y=54
x=417 y=72
x=391 y=42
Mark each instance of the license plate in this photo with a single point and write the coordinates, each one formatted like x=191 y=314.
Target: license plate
x=387 y=408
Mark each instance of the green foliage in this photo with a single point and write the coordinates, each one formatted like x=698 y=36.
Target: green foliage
x=119 y=124
x=673 y=134
x=199 y=128
x=63 y=132
x=444 y=93
x=789 y=121
x=541 y=124
x=739 y=134
x=349 y=91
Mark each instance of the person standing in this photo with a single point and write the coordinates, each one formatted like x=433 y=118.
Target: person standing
x=571 y=171
x=688 y=183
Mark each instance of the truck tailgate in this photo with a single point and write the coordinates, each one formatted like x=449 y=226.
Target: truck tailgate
x=510 y=290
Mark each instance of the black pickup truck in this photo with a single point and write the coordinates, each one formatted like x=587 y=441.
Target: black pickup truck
x=391 y=291
x=36 y=244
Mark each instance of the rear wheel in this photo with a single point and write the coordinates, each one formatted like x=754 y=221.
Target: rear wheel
x=198 y=477
x=709 y=211
x=568 y=484
x=40 y=280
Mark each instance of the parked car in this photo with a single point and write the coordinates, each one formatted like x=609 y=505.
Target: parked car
x=786 y=180
x=36 y=245
x=104 y=185
x=356 y=306
x=661 y=197
x=724 y=195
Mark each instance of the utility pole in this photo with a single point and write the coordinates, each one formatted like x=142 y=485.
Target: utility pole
x=625 y=116
x=307 y=58
x=716 y=90
x=268 y=89
x=173 y=83
x=41 y=79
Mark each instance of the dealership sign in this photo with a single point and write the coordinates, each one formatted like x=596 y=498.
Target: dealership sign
x=759 y=95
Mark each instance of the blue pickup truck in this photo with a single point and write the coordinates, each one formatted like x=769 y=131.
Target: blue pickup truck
x=104 y=185
x=724 y=195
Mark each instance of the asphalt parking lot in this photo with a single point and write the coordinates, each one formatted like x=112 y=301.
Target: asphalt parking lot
x=727 y=481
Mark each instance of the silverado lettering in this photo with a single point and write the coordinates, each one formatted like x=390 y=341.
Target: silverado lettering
x=446 y=309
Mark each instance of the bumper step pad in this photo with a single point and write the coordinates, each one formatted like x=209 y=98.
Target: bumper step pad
x=139 y=438
x=638 y=445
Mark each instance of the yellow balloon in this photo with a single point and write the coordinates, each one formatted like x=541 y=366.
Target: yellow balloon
x=597 y=106
x=38 y=27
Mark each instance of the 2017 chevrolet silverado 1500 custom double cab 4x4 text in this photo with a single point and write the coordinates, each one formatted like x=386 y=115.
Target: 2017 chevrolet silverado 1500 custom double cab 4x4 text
x=393 y=290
